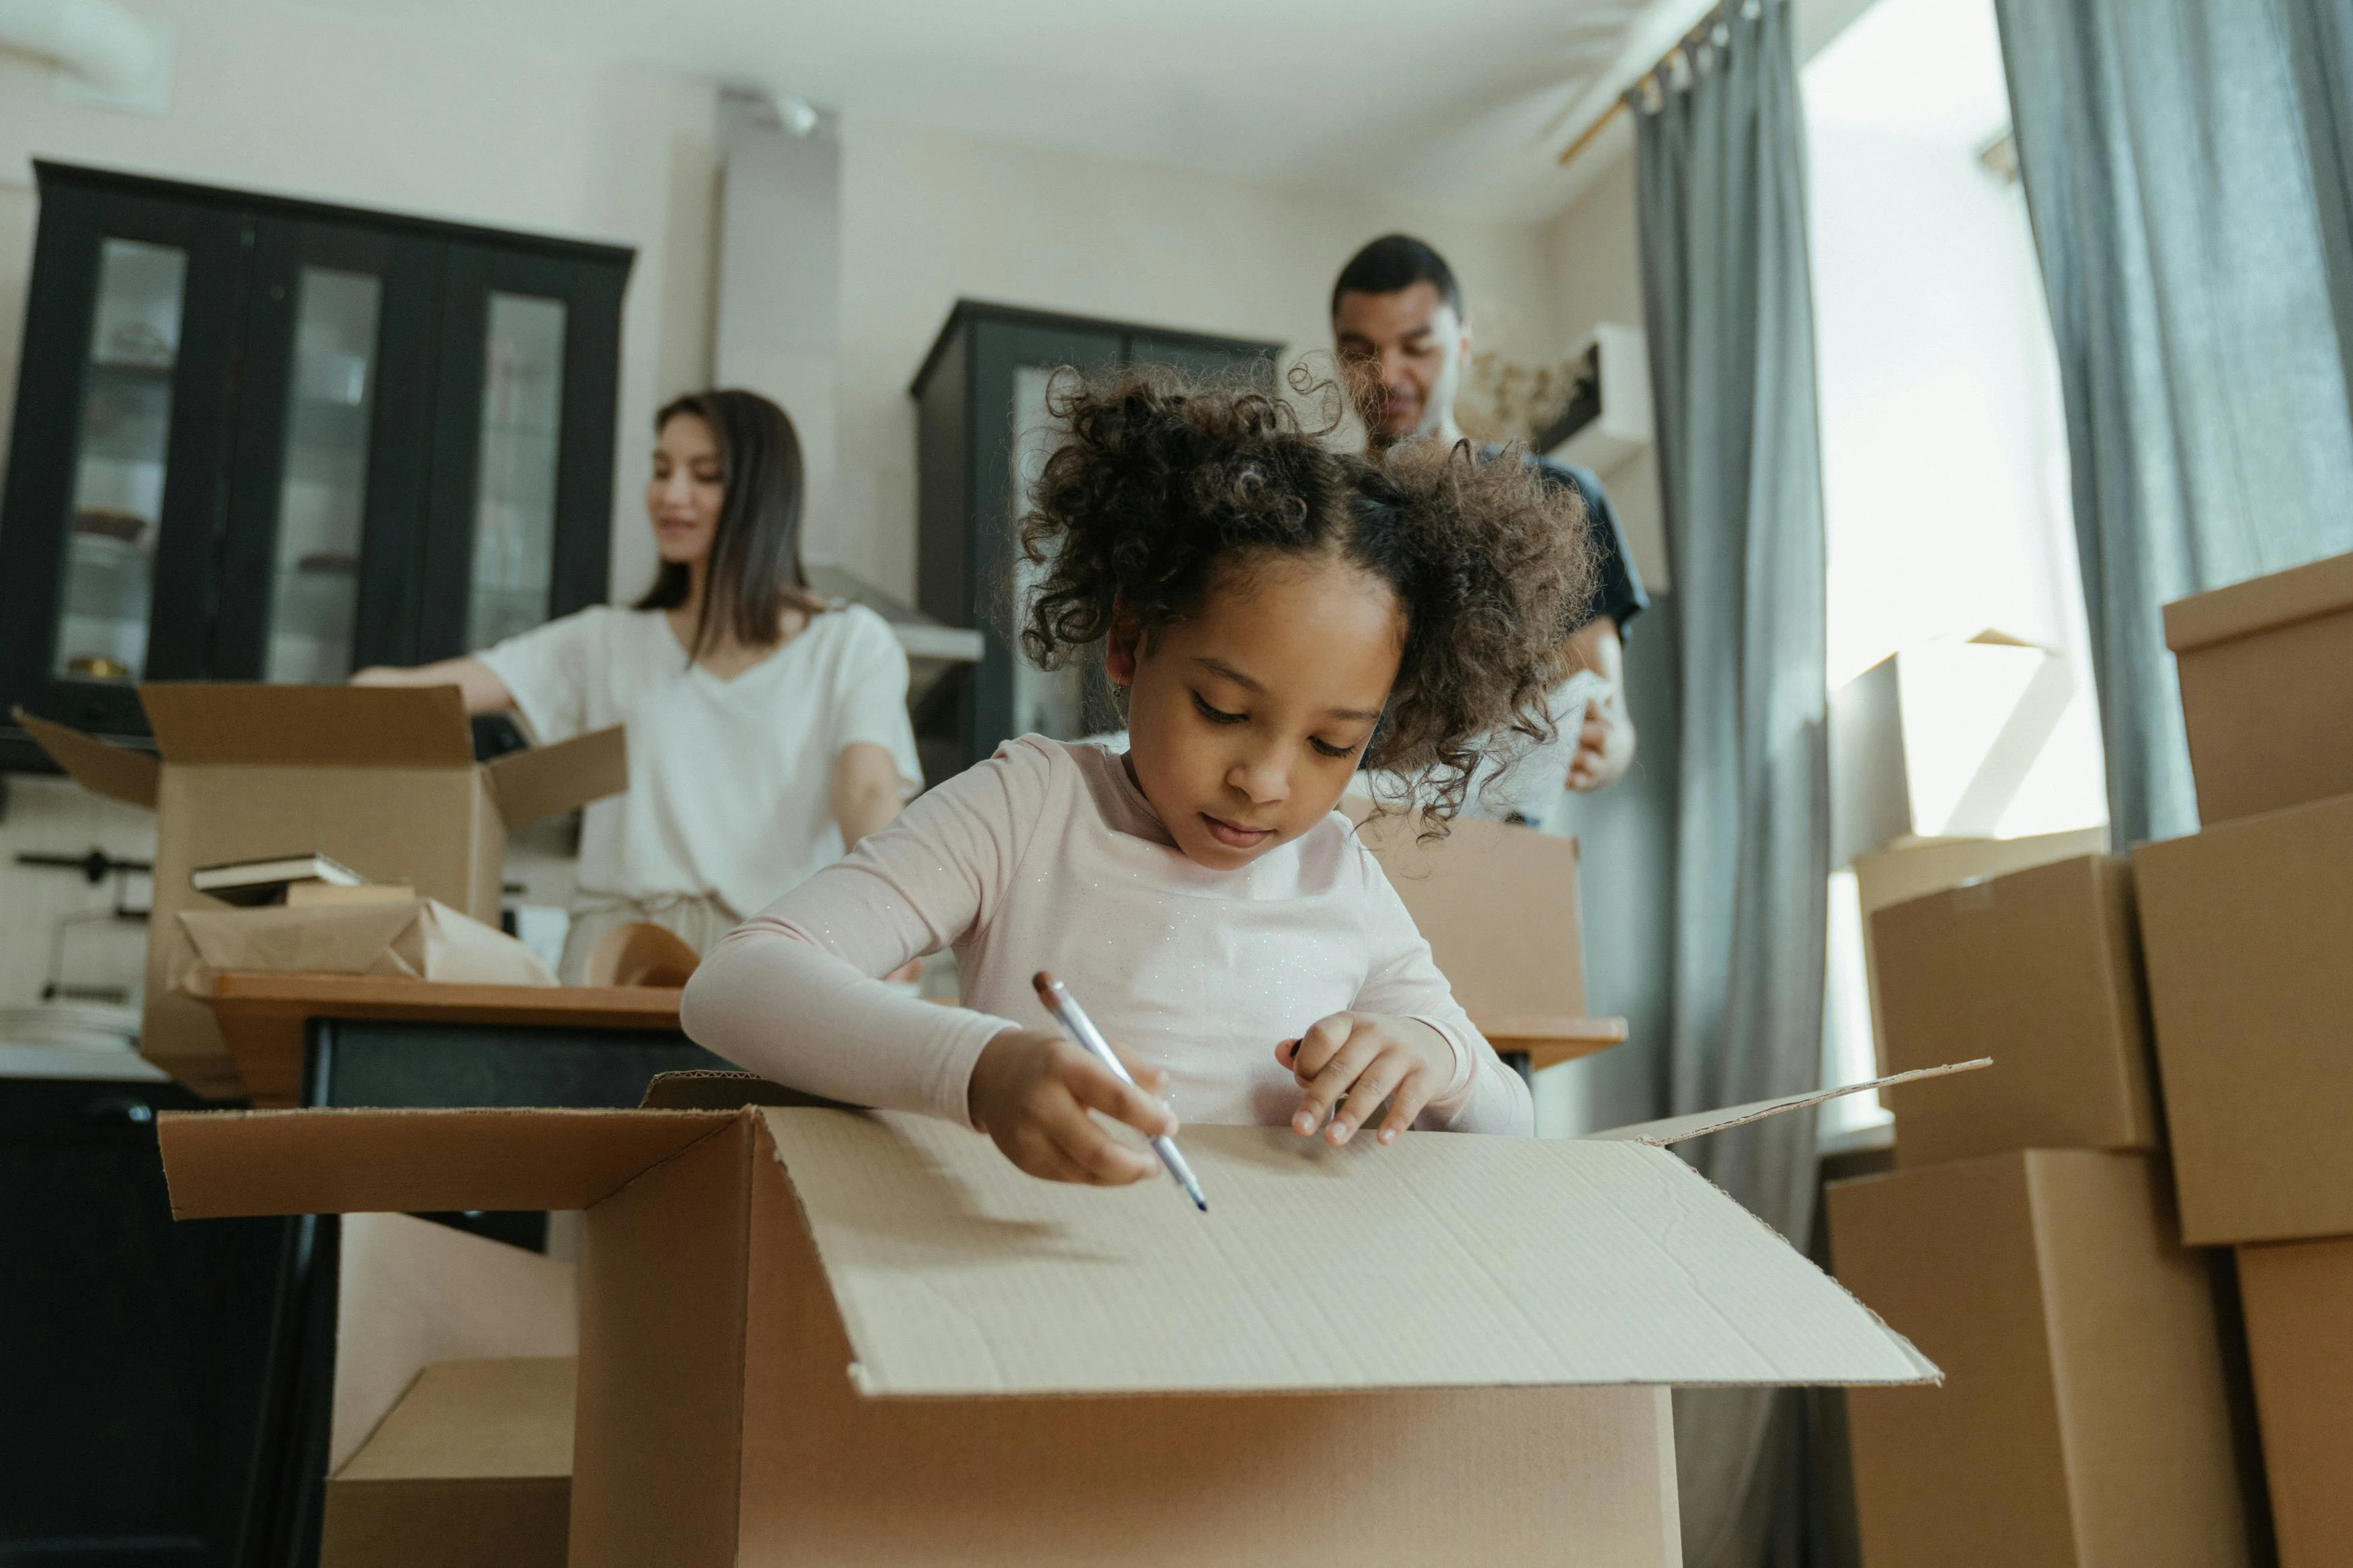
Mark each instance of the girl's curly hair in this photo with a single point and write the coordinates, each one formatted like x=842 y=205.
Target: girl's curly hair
x=1164 y=482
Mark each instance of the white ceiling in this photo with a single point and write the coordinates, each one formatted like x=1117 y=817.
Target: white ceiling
x=1464 y=104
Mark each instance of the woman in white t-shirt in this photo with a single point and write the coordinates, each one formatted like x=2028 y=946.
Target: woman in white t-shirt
x=767 y=729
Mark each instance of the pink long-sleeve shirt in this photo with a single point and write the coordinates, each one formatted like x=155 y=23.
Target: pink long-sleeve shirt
x=1047 y=857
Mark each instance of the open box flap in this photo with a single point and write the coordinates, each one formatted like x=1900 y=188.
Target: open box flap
x=225 y=1162
x=1676 y=1129
x=543 y=780
x=1442 y=1260
x=206 y=723
x=99 y=767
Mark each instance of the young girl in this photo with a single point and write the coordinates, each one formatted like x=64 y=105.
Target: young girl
x=1270 y=610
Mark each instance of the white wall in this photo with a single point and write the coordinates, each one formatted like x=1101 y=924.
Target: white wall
x=930 y=216
x=481 y=123
x=1592 y=261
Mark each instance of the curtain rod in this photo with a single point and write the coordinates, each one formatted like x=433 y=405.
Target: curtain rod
x=1709 y=21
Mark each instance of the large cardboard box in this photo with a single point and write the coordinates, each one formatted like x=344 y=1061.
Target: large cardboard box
x=471 y=1469
x=2298 y=1298
x=409 y=1293
x=1891 y=876
x=2266 y=667
x=2040 y=970
x=380 y=778
x=1935 y=742
x=2084 y=1421
x=2247 y=933
x=1497 y=902
x=833 y=1336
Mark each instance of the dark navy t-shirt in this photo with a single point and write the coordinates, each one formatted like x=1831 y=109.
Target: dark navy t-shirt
x=1619 y=594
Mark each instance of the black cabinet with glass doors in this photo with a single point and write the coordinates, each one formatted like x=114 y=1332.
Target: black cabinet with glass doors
x=982 y=433
x=263 y=439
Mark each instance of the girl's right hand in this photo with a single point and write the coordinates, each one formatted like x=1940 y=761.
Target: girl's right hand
x=1030 y=1092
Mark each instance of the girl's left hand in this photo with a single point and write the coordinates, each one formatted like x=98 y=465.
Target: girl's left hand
x=1368 y=1057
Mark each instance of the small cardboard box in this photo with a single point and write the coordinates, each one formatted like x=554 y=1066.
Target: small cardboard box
x=2298 y=1298
x=1497 y=903
x=2084 y=1420
x=1893 y=875
x=471 y=1469
x=834 y=1336
x=2267 y=667
x=380 y=778
x=2247 y=933
x=2040 y=970
x=1935 y=741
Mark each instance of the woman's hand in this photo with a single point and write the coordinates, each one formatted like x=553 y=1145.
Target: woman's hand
x=1030 y=1092
x=1368 y=1057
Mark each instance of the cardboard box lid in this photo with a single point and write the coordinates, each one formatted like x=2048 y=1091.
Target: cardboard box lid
x=235 y=723
x=2260 y=604
x=202 y=723
x=1442 y=1260
x=476 y=1420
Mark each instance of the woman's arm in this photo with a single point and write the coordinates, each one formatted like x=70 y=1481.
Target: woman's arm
x=484 y=691
x=865 y=790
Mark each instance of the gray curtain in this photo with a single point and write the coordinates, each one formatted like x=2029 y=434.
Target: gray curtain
x=2186 y=165
x=1721 y=171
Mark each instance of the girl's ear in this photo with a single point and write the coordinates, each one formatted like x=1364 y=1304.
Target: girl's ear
x=1120 y=648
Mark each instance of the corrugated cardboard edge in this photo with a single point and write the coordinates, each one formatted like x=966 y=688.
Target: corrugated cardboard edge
x=1669 y=1129
x=1930 y=1372
x=866 y=1387
x=99 y=767
x=219 y=1164
x=2261 y=603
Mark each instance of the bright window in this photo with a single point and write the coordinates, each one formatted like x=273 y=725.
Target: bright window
x=1943 y=449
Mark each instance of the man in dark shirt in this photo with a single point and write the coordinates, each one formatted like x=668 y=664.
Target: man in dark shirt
x=1403 y=340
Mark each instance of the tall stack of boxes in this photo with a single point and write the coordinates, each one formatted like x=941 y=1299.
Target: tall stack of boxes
x=2172 y=1091
x=2248 y=927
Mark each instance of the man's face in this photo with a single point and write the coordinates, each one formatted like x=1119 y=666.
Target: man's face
x=1402 y=357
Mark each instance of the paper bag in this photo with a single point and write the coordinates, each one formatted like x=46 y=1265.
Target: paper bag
x=421 y=939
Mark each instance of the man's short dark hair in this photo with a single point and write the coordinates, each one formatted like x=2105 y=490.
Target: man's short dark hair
x=1393 y=262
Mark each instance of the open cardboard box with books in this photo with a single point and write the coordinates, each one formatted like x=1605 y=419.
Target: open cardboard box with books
x=860 y=1336
x=381 y=779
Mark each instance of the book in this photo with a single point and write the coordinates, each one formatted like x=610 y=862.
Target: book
x=266 y=881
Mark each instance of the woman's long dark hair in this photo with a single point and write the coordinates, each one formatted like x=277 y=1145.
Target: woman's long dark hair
x=755 y=568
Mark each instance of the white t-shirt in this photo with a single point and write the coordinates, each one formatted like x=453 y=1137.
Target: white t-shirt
x=731 y=782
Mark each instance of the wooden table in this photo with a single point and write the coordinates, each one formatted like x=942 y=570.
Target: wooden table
x=263 y=1015
x=1543 y=1042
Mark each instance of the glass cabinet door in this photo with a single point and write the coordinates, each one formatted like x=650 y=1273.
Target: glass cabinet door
x=522 y=506
x=318 y=566
x=108 y=582
x=515 y=467
x=322 y=490
x=118 y=455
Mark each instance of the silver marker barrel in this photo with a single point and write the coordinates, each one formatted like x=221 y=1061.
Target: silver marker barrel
x=1082 y=1029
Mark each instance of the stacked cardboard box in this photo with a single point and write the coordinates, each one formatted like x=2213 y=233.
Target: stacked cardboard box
x=2026 y=1241
x=2047 y=1239
x=2247 y=926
